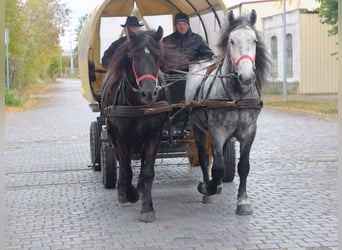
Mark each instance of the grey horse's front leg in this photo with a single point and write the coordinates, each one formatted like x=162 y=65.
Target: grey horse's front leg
x=243 y=204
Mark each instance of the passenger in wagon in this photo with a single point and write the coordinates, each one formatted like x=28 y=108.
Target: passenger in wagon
x=132 y=24
x=187 y=43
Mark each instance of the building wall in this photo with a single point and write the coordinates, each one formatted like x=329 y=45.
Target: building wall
x=273 y=27
x=319 y=68
x=266 y=8
x=314 y=69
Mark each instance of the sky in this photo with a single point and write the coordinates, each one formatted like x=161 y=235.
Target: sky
x=81 y=7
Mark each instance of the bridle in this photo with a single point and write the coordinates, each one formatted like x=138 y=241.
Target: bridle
x=237 y=61
x=139 y=79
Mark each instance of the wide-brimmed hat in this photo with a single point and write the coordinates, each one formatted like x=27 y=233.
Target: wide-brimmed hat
x=181 y=17
x=132 y=21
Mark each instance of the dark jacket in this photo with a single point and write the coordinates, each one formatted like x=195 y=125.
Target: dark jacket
x=190 y=44
x=108 y=54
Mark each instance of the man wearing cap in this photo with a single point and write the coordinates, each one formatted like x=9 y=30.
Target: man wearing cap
x=186 y=43
x=133 y=25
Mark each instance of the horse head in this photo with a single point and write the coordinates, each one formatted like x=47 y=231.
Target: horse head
x=144 y=51
x=241 y=48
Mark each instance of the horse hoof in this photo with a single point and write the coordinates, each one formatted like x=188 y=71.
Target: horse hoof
x=244 y=210
x=147 y=216
x=219 y=189
x=207 y=199
x=122 y=199
x=133 y=198
x=132 y=195
x=243 y=206
x=202 y=188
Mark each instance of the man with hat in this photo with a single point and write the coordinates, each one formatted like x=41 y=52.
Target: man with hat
x=133 y=25
x=189 y=44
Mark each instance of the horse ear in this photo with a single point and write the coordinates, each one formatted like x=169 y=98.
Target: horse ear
x=253 y=17
x=159 y=33
x=231 y=16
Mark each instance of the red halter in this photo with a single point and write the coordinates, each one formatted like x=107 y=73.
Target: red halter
x=143 y=77
x=236 y=62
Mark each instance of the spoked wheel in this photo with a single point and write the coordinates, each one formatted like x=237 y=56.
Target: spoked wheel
x=108 y=165
x=95 y=145
x=229 y=162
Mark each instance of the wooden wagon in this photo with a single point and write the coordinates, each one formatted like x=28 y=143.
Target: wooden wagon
x=101 y=27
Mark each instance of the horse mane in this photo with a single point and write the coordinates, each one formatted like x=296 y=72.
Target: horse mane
x=121 y=62
x=262 y=57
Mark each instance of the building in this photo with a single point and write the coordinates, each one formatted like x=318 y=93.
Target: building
x=311 y=65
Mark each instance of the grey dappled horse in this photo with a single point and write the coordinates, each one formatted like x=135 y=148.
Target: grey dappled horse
x=232 y=95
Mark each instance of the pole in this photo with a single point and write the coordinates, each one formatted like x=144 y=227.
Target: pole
x=71 y=56
x=285 y=54
x=7 y=61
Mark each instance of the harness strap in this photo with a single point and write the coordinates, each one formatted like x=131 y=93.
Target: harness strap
x=246 y=103
x=138 y=111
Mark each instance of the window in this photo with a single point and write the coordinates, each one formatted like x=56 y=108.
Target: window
x=274 y=51
x=289 y=55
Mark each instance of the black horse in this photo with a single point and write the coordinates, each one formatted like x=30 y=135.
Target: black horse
x=136 y=107
x=231 y=96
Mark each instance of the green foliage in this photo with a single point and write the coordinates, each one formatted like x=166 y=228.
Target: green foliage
x=12 y=99
x=35 y=27
x=328 y=11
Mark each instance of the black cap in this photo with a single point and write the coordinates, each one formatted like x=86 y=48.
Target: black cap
x=132 y=21
x=181 y=17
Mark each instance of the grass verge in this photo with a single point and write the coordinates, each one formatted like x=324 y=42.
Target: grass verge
x=17 y=102
x=329 y=109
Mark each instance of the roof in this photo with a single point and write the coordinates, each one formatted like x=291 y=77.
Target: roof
x=88 y=49
x=160 y=7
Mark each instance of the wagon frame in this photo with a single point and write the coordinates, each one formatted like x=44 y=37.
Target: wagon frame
x=206 y=14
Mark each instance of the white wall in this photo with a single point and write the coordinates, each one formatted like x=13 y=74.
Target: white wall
x=273 y=26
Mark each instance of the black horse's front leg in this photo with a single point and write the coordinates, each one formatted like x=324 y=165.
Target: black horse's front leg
x=146 y=178
x=200 y=140
x=126 y=191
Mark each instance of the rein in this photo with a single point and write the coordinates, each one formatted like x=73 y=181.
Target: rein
x=210 y=68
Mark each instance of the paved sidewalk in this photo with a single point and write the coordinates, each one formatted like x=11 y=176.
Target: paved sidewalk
x=54 y=201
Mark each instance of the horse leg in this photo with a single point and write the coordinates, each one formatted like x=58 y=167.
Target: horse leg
x=243 y=204
x=126 y=191
x=146 y=179
x=200 y=140
x=215 y=184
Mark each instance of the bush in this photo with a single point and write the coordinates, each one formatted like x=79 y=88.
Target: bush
x=12 y=99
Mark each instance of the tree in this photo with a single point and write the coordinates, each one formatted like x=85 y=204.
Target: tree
x=328 y=11
x=35 y=27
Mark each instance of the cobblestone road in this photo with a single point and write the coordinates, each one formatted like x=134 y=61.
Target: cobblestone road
x=54 y=201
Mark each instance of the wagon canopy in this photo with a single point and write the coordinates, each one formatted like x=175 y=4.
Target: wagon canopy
x=208 y=13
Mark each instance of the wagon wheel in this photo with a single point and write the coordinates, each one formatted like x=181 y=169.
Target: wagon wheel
x=95 y=145
x=108 y=165
x=229 y=162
